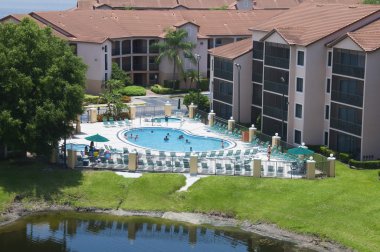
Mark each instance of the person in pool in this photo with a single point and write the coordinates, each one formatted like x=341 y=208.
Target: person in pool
x=166 y=138
x=187 y=141
x=137 y=136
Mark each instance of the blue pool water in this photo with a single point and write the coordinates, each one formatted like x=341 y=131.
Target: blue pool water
x=162 y=119
x=76 y=147
x=153 y=138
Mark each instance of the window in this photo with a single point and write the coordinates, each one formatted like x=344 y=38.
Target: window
x=218 y=42
x=257 y=71
x=105 y=48
x=329 y=59
x=326 y=139
x=105 y=61
x=327 y=112
x=298 y=110
x=106 y=77
x=299 y=84
x=300 y=58
x=328 y=84
x=277 y=55
x=258 y=50
x=297 y=136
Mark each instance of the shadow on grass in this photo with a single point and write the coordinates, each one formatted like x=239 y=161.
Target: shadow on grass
x=24 y=179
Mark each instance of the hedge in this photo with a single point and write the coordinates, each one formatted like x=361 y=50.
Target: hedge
x=375 y=164
x=93 y=99
x=158 y=89
x=133 y=91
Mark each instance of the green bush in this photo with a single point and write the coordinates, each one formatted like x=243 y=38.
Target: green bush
x=158 y=89
x=324 y=150
x=93 y=99
x=344 y=157
x=133 y=91
x=204 y=84
x=192 y=97
x=375 y=164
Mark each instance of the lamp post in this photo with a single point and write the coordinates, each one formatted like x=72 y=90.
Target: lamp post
x=238 y=66
x=198 y=58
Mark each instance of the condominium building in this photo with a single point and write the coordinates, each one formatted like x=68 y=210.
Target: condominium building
x=125 y=37
x=314 y=77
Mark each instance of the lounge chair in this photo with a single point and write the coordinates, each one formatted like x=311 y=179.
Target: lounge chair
x=280 y=171
x=270 y=170
x=162 y=155
x=159 y=165
x=111 y=121
x=238 y=153
x=120 y=123
x=178 y=166
x=169 y=165
x=228 y=168
x=125 y=150
x=105 y=122
x=186 y=166
x=150 y=164
x=205 y=168
x=247 y=169
x=230 y=153
x=237 y=169
x=203 y=155
x=220 y=154
x=120 y=163
x=247 y=152
x=212 y=154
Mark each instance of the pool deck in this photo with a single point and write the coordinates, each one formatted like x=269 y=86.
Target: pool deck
x=115 y=133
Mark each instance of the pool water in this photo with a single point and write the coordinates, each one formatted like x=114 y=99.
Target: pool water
x=153 y=138
x=67 y=231
x=76 y=147
x=162 y=119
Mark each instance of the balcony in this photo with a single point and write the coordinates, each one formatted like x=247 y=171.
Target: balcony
x=276 y=87
x=222 y=97
x=275 y=112
x=348 y=70
x=153 y=67
x=139 y=67
x=347 y=126
x=348 y=98
x=223 y=74
x=277 y=62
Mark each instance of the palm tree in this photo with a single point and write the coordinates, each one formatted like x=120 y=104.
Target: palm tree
x=174 y=47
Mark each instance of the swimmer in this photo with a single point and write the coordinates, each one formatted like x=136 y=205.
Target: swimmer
x=137 y=136
x=191 y=148
x=222 y=144
x=151 y=131
x=166 y=138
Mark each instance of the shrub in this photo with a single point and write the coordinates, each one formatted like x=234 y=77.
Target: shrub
x=158 y=89
x=375 y=164
x=125 y=99
x=326 y=151
x=344 y=157
x=192 y=97
x=133 y=91
x=204 y=84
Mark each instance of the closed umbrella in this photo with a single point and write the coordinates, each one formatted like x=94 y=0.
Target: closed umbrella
x=179 y=104
x=97 y=138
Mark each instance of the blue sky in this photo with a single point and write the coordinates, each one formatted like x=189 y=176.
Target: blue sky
x=25 y=6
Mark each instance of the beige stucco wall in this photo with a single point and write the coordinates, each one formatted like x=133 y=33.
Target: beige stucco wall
x=93 y=55
x=348 y=44
x=257 y=35
x=371 y=112
x=275 y=38
x=245 y=88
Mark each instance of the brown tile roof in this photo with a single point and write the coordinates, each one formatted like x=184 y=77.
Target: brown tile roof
x=368 y=37
x=233 y=50
x=310 y=22
x=166 y=4
x=98 y=25
x=205 y=4
x=275 y=4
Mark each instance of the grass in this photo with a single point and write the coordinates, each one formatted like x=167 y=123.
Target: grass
x=345 y=209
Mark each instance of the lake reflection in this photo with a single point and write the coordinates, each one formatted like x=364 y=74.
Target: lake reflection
x=93 y=232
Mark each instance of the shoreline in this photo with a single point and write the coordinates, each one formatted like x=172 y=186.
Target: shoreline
x=18 y=210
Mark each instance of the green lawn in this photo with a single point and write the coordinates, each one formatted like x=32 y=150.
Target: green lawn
x=345 y=208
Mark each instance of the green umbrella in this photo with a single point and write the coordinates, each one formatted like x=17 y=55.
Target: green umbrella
x=300 y=151
x=97 y=138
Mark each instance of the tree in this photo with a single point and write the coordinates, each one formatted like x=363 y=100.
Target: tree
x=113 y=97
x=193 y=97
x=41 y=87
x=119 y=74
x=175 y=48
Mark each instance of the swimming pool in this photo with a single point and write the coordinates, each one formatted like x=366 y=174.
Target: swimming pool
x=153 y=138
x=162 y=119
x=76 y=147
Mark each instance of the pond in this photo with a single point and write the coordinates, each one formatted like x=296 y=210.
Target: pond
x=70 y=231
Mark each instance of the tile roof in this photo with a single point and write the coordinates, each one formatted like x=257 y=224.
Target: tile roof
x=166 y=4
x=95 y=26
x=368 y=37
x=275 y=4
x=233 y=50
x=310 y=22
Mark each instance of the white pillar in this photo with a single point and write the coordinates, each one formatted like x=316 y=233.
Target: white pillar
x=168 y=109
x=310 y=168
x=132 y=112
x=276 y=140
x=257 y=167
x=132 y=161
x=331 y=169
x=211 y=118
x=93 y=115
x=252 y=133
x=231 y=124
x=193 y=164
x=192 y=108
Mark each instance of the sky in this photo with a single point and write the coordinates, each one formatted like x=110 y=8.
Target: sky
x=25 y=6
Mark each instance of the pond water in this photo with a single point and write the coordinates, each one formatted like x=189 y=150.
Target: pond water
x=69 y=231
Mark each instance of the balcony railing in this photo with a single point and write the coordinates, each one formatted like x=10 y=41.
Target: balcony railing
x=349 y=98
x=348 y=70
x=275 y=112
x=277 y=62
x=276 y=87
x=139 y=67
x=348 y=126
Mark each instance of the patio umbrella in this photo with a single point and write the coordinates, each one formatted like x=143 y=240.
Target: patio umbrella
x=179 y=104
x=97 y=138
x=300 y=151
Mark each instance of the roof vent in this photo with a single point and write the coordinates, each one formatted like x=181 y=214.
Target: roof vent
x=352 y=6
